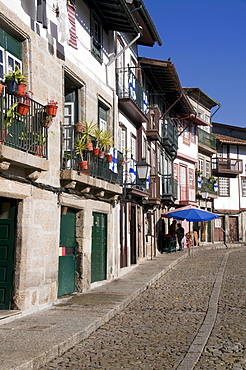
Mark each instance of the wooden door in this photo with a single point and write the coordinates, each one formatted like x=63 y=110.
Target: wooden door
x=123 y=235
x=99 y=247
x=7 y=240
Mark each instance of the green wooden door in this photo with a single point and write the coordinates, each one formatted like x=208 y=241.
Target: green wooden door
x=99 y=247
x=67 y=254
x=7 y=239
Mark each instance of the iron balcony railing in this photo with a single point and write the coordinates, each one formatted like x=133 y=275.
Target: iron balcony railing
x=23 y=132
x=170 y=134
x=169 y=187
x=128 y=86
x=97 y=167
x=206 y=139
x=206 y=184
x=227 y=166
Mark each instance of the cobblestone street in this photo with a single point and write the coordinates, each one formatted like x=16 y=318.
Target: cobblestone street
x=156 y=330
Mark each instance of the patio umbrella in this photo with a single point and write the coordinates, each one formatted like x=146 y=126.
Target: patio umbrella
x=192 y=214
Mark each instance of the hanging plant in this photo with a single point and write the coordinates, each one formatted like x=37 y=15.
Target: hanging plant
x=51 y=108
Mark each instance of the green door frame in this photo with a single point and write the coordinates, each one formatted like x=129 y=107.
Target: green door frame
x=7 y=248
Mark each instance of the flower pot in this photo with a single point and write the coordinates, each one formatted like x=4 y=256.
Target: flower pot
x=11 y=87
x=89 y=147
x=38 y=150
x=83 y=165
x=79 y=127
x=21 y=89
x=109 y=157
x=96 y=151
x=101 y=154
x=51 y=110
x=1 y=89
x=3 y=135
x=23 y=108
x=46 y=124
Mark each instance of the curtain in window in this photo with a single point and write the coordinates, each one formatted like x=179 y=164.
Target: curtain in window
x=41 y=13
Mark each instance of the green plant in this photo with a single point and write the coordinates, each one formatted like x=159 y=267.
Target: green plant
x=80 y=147
x=88 y=131
x=16 y=75
x=9 y=116
x=40 y=139
x=98 y=134
x=106 y=140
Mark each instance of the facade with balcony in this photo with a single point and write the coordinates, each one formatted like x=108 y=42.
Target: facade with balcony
x=228 y=164
x=60 y=215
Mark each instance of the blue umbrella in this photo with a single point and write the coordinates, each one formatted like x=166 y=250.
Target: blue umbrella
x=192 y=215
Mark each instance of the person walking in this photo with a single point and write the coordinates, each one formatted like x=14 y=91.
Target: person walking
x=180 y=235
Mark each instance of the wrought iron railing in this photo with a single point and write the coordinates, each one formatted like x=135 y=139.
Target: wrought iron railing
x=206 y=138
x=169 y=186
x=128 y=86
x=23 y=132
x=206 y=184
x=96 y=167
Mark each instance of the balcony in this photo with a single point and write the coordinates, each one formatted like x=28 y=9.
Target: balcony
x=207 y=184
x=227 y=166
x=133 y=99
x=23 y=137
x=169 y=189
x=170 y=136
x=152 y=131
x=206 y=141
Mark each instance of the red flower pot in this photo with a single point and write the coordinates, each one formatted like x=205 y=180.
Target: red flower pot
x=89 y=147
x=3 y=135
x=23 y=108
x=101 y=154
x=109 y=157
x=96 y=151
x=83 y=165
x=21 y=89
x=1 y=88
x=51 y=110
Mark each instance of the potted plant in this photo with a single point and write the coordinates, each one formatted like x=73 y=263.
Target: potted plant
x=1 y=87
x=39 y=142
x=47 y=122
x=97 y=134
x=106 y=143
x=80 y=147
x=8 y=118
x=23 y=107
x=79 y=127
x=51 y=108
x=88 y=133
x=13 y=79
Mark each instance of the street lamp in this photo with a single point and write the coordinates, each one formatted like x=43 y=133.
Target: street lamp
x=204 y=195
x=143 y=170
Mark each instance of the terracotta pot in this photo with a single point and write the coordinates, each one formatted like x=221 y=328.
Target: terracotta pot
x=38 y=150
x=96 y=151
x=11 y=87
x=3 y=135
x=23 y=108
x=46 y=124
x=83 y=165
x=89 y=147
x=21 y=89
x=1 y=89
x=79 y=127
x=51 y=110
x=109 y=157
x=101 y=154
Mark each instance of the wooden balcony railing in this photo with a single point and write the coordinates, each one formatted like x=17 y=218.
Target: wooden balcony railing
x=206 y=139
x=227 y=166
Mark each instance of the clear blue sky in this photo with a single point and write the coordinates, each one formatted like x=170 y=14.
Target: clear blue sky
x=206 y=41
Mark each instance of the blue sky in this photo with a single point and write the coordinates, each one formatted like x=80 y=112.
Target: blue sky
x=206 y=41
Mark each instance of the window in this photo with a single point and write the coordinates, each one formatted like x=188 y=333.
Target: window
x=201 y=165
x=224 y=187
x=186 y=134
x=243 y=187
x=133 y=147
x=207 y=169
x=10 y=53
x=102 y=117
x=96 y=36
x=191 y=178
x=175 y=171
x=122 y=139
x=193 y=133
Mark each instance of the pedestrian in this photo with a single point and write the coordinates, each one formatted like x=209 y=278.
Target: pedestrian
x=172 y=229
x=188 y=241
x=181 y=236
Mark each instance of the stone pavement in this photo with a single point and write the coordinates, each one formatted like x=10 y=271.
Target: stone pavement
x=31 y=341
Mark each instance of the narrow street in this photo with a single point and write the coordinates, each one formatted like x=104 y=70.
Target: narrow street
x=157 y=330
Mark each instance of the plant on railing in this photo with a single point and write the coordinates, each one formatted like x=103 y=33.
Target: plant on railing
x=15 y=82
x=8 y=118
x=47 y=121
x=80 y=148
x=51 y=108
x=106 y=141
x=88 y=133
x=39 y=141
x=23 y=107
